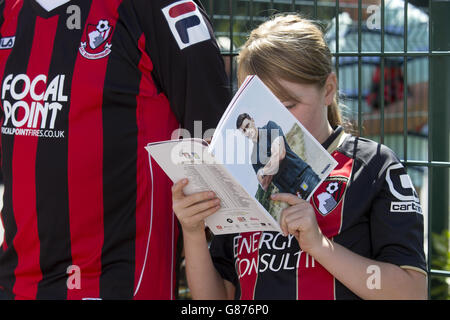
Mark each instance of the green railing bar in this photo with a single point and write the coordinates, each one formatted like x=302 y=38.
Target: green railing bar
x=315 y=9
x=359 y=26
x=359 y=98
x=246 y=18
x=359 y=68
x=394 y=54
x=439 y=115
x=405 y=26
x=250 y=10
x=308 y=3
x=429 y=164
x=230 y=80
x=405 y=81
x=211 y=8
x=442 y=273
x=382 y=84
x=336 y=60
x=430 y=152
x=239 y=17
x=430 y=218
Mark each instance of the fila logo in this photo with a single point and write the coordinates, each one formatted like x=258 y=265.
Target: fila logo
x=7 y=42
x=186 y=23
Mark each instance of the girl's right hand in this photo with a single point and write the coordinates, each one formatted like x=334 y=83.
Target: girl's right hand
x=192 y=210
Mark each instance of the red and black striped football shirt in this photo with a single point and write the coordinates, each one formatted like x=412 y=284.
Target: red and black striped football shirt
x=367 y=204
x=85 y=87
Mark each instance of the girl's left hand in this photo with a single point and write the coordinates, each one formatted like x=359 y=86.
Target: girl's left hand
x=299 y=219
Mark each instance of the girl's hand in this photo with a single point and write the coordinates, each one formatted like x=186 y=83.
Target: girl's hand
x=192 y=210
x=299 y=219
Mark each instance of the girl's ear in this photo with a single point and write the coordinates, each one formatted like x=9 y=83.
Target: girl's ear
x=330 y=88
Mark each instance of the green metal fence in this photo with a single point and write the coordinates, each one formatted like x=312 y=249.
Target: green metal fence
x=386 y=36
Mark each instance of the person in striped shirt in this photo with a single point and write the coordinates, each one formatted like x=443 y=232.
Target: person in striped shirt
x=361 y=233
x=85 y=86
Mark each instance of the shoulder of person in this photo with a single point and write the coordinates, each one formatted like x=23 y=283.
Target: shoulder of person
x=369 y=153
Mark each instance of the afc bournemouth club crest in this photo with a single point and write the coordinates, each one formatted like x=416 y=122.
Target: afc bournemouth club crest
x=329 y=194
x=97 y=43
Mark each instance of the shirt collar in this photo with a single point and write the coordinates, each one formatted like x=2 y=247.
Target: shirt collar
x=335 y=139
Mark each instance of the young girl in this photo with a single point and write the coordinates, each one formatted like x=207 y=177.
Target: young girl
x=367 y=244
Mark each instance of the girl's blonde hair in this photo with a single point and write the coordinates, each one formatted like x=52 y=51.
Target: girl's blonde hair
x=292 y=48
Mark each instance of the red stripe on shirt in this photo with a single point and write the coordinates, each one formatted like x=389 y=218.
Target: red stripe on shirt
x=330 y=224
x=85 y=160
x=156 y=122
x=26 y=242
x=247 y=263
x=160 y=279
x=313 y=280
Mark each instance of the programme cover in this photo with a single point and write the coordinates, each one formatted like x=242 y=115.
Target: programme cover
x=267 y=149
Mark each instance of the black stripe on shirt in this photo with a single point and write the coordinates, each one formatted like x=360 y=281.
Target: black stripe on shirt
x=2 y=15
x=19 y=65
x=51 y=165
x=120 y=160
